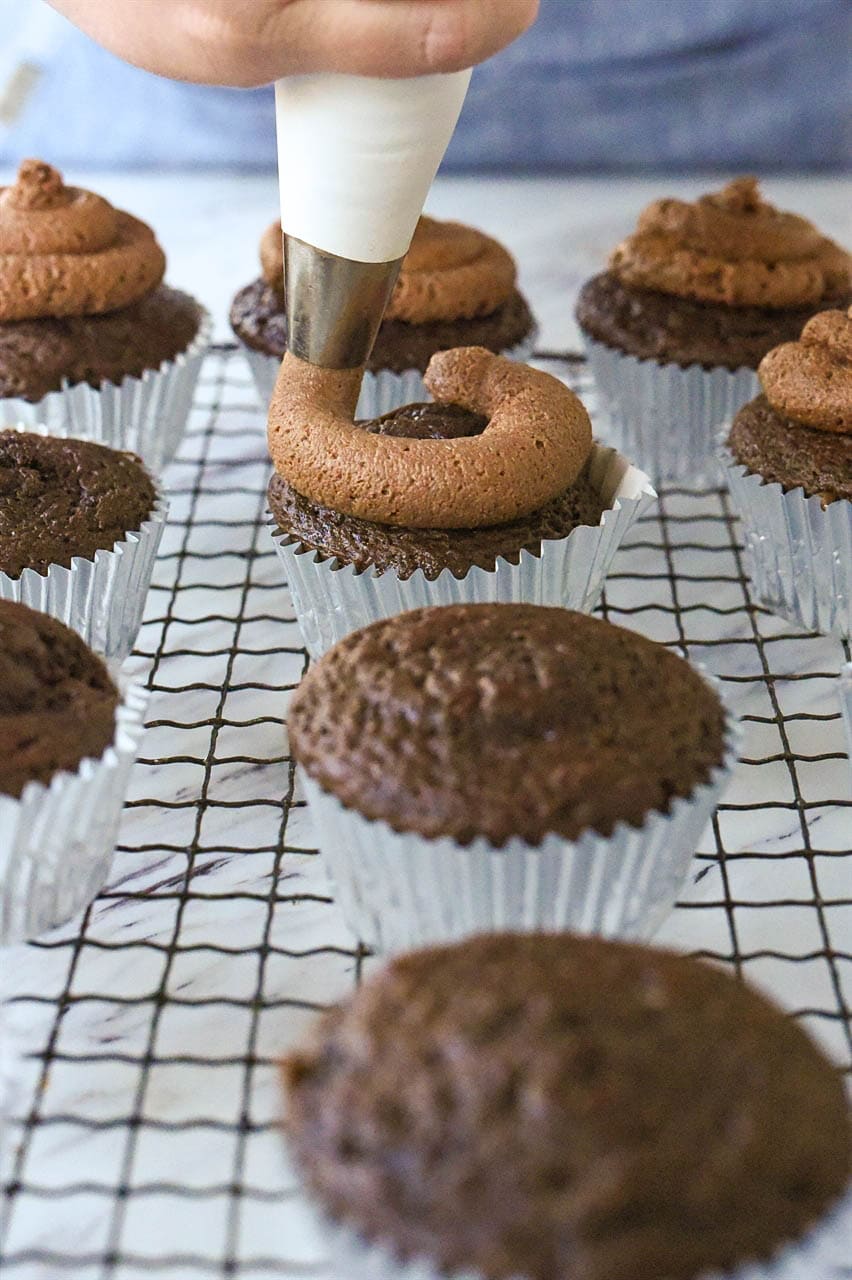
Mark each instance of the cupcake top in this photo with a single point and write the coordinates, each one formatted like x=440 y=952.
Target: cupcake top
x=810 y=380
x=504 y=720
x=799 y=432
x=451 y=272
x=732 y=247
x=63 y=497
x=535 y=442
x=554 y=1106
x=57 y=701
x=68 y=252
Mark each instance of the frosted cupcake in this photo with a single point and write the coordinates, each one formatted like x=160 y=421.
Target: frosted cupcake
x=689 y=306
x=68 y=738
x=457 y=288
x=91 y=342
x=560 y=1108
x=502 y=766
x=789 y=467
x=494 y=491
x=80 y=524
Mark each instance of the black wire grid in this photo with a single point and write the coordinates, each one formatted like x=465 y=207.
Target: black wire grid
x=147 y=1142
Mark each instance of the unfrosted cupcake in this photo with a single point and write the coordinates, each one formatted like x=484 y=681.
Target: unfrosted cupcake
x=479 y=767
x=558 y=1108
x=457 y=288
x=789 y=466
x=690 y=304
x=496 y=491
x=68 y=738
x=91 y=342
x=80 y=524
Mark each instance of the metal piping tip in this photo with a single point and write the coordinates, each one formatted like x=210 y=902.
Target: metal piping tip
x=334 y=305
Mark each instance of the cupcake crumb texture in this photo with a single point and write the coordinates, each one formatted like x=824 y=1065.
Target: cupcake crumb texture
x=554 y=1106
x=504 y=720
x=61 y=498
x=57 y=701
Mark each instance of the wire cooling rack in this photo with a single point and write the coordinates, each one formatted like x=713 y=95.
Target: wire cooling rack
x=148 y=1101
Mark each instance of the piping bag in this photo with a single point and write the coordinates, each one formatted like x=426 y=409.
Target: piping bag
x=356 y=158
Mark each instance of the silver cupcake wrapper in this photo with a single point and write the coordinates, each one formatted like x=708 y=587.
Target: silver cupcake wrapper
x=823 y=1254
x=102 y=599
x=380 y=392
x=799 y=555
x=666 y=416
x=845 y=690
x=8 y=1096
x=146 y=415
x=332 y=599
x=400 y=890
x=57 y=840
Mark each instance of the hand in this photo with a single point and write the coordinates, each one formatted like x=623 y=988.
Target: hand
x=251 y=42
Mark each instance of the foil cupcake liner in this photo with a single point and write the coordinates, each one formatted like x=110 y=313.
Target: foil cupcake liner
x=8 y=1090
x=331 y=599
x=145 y=415
x=399 y=890
x=845 y=690
x=102 y=598
x=665 y=416
x=380 y=392
x=823 y=1254
x=57 y=839
x=798 y=554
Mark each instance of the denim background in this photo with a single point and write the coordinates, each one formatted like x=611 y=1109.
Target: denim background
x=596 y=85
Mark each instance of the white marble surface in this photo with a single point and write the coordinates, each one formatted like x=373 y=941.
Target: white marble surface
x=192 y=972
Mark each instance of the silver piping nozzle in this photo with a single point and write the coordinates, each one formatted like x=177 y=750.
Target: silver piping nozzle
x=334 y=305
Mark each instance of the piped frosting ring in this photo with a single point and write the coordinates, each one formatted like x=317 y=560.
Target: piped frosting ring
x=534 y=446
x=451 y=272
x=67 y=252
x=732 y=247
x=810 y=380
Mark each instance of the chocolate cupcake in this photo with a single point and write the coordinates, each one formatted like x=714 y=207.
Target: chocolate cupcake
x=558 y=1108
x=91 y=342
x=456 y=289
x=493 y=492
x=68 y=738
x=789 y=466
x=689 y=306
x=80 y=524
x=476 y=767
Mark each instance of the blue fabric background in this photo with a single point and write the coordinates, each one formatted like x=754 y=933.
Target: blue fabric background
x=596 y=85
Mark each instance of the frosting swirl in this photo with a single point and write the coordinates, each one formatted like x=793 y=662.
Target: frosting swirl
x=810 y=380
x=451 y=272
x=534 y=446
x=732 y=247
x=68 y=252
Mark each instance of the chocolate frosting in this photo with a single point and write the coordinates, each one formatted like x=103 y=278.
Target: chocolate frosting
x=67 y=252
x=536 y=441
x=810 y=380
x=451 y=272
x=732 y=247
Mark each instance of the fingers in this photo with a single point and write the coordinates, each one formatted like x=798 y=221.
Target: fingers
x=401 y=37
x=252 y=42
